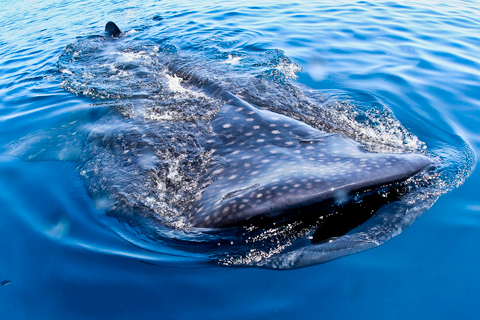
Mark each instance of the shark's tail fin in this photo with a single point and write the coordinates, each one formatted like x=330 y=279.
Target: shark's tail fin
x=112 y=30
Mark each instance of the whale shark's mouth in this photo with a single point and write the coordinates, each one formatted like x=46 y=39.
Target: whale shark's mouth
x=338 y=220
x=330 y=219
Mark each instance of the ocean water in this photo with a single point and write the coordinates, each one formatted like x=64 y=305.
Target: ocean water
x=396 y=76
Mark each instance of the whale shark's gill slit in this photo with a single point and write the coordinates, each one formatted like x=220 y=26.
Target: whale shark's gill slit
x=239 y=191
x=315 y=138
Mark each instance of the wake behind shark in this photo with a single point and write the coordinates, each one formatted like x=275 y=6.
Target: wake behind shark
x=274 y=167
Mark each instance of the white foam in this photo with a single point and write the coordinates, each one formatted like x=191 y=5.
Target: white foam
x=233 y=60
x=290 y=70
x=133 y=31
x=174 y=84
x=131 y=56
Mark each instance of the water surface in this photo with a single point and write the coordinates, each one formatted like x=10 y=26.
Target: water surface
x=63 y=256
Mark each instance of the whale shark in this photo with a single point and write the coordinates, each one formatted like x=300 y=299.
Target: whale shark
x=274 y=168
x=229 y=161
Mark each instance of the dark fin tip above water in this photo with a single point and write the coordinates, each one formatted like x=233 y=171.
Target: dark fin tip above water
x=112 y=30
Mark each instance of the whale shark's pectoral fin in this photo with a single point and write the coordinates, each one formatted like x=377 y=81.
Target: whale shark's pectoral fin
x=272 y=167
x=112 y=30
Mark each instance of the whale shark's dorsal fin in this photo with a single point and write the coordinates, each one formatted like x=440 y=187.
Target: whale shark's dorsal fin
x=112 y=30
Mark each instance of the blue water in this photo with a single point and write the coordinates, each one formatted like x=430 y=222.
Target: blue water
x=61 y=256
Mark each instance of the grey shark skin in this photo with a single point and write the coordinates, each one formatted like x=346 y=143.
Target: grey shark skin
x=274 y=164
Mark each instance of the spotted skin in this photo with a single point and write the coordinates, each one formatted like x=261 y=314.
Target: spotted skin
x=273 y=163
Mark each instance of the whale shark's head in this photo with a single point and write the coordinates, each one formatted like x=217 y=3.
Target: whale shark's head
x=275 y=168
